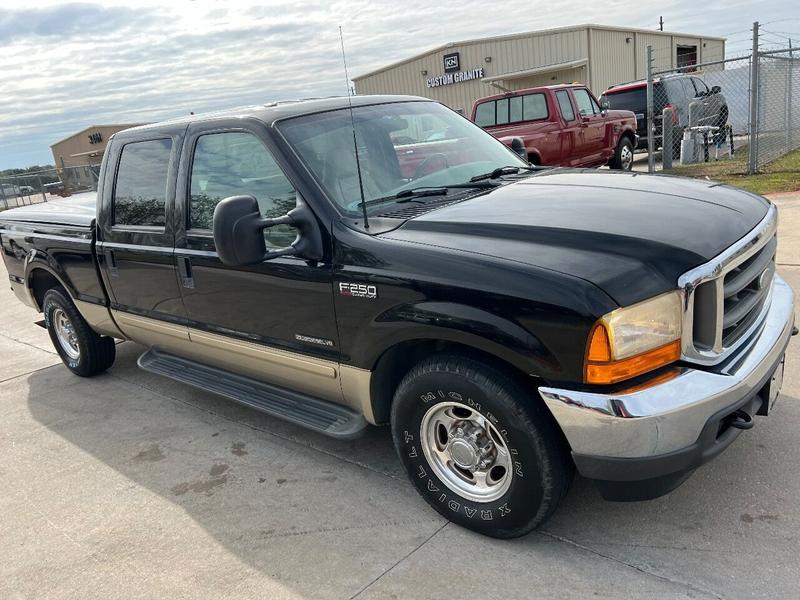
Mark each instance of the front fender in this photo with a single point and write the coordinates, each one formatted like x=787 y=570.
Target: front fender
x=462 y=324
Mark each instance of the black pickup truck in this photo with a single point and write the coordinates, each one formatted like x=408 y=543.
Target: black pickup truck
x=388 y=262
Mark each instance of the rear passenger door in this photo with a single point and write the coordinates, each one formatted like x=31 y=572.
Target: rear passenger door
x=265 y=320
x=136 y=237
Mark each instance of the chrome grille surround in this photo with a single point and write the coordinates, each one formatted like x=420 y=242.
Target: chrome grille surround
x=703 y=295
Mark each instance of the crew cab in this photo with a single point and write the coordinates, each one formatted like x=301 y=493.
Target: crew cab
x=510 y=323
x=559 y=125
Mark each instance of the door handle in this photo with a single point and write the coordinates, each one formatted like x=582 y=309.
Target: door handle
x=111 y=263
x=185 y=272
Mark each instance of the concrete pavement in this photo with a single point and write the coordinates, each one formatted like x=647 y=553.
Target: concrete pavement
x=129 y=485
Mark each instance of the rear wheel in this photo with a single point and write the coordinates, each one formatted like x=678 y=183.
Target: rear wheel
x=83 y=351
x=623 y=155
x=478 y=448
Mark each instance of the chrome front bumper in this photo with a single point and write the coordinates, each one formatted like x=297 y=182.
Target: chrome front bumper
x=670 y=416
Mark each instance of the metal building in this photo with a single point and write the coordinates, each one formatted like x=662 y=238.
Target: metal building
x=459 y=73
x=78 y=156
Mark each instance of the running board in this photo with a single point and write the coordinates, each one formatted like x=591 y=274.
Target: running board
x=325 y=417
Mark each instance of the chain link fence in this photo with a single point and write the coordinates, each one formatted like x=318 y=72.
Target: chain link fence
x=777 y=125
x=745 y=110
x=41 y=186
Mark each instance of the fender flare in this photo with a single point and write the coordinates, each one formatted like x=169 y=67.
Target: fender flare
x=36 y=259
x=449 y=322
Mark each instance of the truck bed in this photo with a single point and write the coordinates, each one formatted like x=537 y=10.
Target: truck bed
x=78 y=210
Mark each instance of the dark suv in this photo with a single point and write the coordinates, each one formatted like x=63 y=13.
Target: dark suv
x=676 y=91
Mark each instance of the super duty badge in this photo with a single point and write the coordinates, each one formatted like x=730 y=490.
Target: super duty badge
x=358 y=290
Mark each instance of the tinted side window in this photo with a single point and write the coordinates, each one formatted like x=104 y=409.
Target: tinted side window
x=140 y=192
x=565 y=105
x=534 y=107
x=484 y=114
x=700 y=86
x=502 y=111
x=585 y=103
x=687 y=89
x=238 y=164
x=515 y=109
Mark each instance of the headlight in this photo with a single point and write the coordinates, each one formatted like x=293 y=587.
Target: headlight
x=635 y=339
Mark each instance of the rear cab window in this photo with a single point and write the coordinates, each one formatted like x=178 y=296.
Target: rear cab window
x=515 y=109
x=140 y=189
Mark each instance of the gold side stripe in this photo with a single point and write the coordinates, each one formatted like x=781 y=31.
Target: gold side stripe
x=324 y=379
x=284 y=358
x=153 y=325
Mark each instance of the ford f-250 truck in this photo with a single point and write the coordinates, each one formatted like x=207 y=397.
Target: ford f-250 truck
x=510 y=323
x=560 y=125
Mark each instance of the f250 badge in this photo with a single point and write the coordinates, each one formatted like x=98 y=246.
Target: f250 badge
x=358 y=290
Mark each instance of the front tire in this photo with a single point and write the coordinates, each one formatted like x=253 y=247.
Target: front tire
x=478 y=448
x=623 y=155
x=83 y=351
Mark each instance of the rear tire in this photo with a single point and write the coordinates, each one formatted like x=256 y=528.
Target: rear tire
x=478 y=448
x=623 y=155
x=83 y=351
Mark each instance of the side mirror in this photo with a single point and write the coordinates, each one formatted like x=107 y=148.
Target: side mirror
x=604 y=104
x=715 y=89
x=238 y=232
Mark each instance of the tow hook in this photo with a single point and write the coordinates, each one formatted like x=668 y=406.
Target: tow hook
x=741 y=420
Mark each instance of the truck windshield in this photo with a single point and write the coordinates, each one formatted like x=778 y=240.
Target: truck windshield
x=401 y=146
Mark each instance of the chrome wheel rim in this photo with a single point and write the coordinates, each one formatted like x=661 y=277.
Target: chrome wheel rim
x=466 y=451
x=626 y=157
x=65 y=334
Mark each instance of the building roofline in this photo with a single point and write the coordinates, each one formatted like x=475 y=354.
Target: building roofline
x=84 y=130
x=512 y=36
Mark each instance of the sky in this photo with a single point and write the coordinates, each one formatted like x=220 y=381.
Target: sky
x=65 y=66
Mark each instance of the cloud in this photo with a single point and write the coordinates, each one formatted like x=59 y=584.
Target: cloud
x=68 y=66
x=67 y=20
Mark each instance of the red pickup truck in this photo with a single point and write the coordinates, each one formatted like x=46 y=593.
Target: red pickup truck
x=559 y=125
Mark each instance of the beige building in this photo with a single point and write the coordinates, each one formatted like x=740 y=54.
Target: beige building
x=459 y=73
x=83 y=150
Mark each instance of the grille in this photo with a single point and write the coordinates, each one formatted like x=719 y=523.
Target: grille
x=745 y=290
x=726 y=298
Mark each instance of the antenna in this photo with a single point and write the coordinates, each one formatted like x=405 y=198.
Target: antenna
x=353 y=125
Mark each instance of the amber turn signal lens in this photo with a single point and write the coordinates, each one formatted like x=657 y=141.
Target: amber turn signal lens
x=599 y=345
x=607 y=372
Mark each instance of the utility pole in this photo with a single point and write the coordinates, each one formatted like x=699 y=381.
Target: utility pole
x=661 y=23
x=651 y=159
x=752 y=159
x=789 y=83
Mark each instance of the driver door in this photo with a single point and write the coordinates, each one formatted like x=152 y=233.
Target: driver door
x=261 y=319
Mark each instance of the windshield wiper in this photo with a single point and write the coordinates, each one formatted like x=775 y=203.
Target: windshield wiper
x=500 y=171
x=412 y=194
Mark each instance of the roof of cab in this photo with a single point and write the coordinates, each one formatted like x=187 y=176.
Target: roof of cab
x=274 y=111
x=530 y=90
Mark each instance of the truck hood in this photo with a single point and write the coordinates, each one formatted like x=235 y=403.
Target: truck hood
x=630 y=234
x=79 y=209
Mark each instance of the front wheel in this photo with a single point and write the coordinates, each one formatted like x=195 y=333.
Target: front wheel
x=83 y=351
x=623 y=155
x=478 y=448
